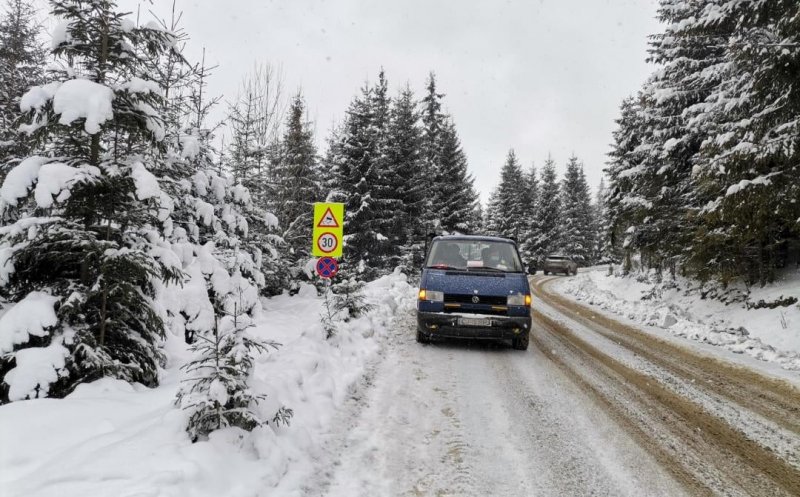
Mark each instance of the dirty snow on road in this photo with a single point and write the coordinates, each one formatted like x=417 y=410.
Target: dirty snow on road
x=453 y=418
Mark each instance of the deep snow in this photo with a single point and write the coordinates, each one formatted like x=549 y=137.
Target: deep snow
x=109 y=438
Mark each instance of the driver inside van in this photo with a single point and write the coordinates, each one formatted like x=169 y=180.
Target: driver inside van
x=493 y=257
x=452 y=256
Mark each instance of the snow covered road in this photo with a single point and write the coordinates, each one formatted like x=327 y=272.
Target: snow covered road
x=592 y=408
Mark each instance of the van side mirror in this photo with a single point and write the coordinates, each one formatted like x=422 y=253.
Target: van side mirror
x=531 y=268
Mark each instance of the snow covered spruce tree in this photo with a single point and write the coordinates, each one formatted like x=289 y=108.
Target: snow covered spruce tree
x=385 y=201
x=699 y=175
x=216 y=300
x=457 y=200
x=399 y=179
x=530 y=198
x=662 y=180
x=433 y=118
x=82 y=263
x=366 y=183
x=603 y=251
x=745 y=174
x=507 y=209
x=296 y=181
x=217 y=391
x=452 y=198
x=405 y=159
x=22 y=61
x=350 y=159
x=546 y=232
x=577 y=220
x=622 y=206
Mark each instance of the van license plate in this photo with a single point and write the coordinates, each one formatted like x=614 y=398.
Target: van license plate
x=475 y=322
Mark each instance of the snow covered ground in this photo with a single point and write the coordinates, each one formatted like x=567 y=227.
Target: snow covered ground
x=109 y=438
x=771 y=335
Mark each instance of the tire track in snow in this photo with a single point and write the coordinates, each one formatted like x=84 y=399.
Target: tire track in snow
x=461 y=419
x=702 y=450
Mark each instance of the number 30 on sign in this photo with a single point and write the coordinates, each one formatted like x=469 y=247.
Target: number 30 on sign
x=328 y=230
x=327 y=243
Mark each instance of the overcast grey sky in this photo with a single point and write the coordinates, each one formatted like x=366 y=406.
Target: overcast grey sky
x=541 y=76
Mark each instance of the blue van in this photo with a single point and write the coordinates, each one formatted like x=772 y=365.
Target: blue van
x=474 y=287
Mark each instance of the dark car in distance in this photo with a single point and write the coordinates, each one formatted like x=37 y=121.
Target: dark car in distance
x=559 y=264
x=474 y=287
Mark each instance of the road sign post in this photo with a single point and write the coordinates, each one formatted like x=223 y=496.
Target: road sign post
x=328 y=230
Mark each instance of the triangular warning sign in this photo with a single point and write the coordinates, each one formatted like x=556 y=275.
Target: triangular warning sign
x=328 y=220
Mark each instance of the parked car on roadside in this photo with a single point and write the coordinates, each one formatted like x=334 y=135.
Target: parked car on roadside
x=474 y=287
x=559 y=264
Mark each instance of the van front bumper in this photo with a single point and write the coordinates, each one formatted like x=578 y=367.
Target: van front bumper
x=445 y=325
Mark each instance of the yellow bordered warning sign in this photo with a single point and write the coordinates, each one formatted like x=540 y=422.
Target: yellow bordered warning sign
x=328 y=230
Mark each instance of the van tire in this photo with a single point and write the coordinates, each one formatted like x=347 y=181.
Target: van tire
x=422 y=337
x=520 y=343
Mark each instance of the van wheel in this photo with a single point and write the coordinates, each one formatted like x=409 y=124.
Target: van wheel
x=422 y=337
x=546 y=273
x=520 y=343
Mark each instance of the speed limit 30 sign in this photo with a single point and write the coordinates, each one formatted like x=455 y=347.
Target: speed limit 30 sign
x=328 y=230
x=327 y=243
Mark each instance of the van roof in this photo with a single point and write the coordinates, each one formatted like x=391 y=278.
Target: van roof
x=478 y=238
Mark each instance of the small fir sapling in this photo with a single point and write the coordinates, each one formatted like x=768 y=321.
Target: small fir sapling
x=217 y=390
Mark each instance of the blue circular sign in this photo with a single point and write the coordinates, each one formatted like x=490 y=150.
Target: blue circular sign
x=327 y=267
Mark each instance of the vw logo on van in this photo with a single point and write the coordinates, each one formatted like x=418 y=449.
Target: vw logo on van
x=475 y=299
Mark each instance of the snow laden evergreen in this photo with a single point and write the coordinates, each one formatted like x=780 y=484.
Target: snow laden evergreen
x=577 y=216
x=227 y=254
x=747 y=169
x=401 y=174
x=432 y=117
x=507 y=207
x=546 y=234
x=385 y=201
x=452 y=200
x=544 y=215
x=86 y=251
x=529 y=201
x=622 y=206
x=412 y=185
x=296 y=181
x=127 y=228
x=217 y=390
x=700 y=175
x=351 y=160
x=603 y=249
x=456 y=197
x=22 y=59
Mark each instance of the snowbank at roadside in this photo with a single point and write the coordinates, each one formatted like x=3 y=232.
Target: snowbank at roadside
x=109 y=438
x=766 y=334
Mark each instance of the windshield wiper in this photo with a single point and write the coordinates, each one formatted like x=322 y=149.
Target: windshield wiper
x=485 y=268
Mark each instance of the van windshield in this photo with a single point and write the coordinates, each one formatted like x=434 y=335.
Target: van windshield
x=478 y=255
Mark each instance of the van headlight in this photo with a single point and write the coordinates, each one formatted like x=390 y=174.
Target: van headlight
x=431 y=295
x=519 y=299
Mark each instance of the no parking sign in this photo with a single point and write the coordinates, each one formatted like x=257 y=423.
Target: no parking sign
x=327 y=267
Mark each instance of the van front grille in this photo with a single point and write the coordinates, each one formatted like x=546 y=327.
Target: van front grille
x=455 y=298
